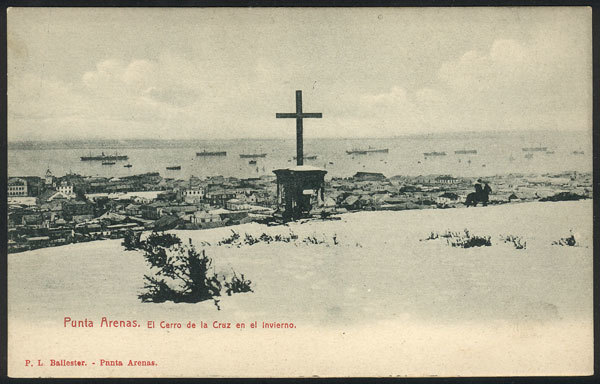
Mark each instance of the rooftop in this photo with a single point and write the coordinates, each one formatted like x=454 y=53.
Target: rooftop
x=302 y=168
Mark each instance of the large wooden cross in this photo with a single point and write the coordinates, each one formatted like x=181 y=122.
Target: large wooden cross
x=298 y=116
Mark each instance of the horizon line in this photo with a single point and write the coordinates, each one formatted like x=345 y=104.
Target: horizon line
x=306 y=138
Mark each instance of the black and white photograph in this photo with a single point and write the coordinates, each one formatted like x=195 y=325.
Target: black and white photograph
x=299 y=192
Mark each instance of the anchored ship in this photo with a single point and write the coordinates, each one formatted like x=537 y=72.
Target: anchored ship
x=535 y=149
x=174 y=168
x=366 y=151
x=434 y=153
x=215 y=153
x=382 y=150
x=103 y=157
x=466 y=152
x=252 y=156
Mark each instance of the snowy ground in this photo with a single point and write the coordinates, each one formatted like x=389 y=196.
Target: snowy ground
x=380 y=303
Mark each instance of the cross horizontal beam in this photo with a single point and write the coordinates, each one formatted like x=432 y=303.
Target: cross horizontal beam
x=298 y=115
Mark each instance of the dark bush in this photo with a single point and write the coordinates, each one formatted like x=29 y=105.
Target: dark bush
x=231 y=239
x=476 y=241
x=182 y=274
x=235 y=239
x=131 y=240
x=564 y=196
x=569 y=241
x=461 y=240
x=517 y=241
x=238 y=285
x=161 y=240
x=466 y=240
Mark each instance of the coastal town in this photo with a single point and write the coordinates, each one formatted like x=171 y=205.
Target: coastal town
x=55 y=210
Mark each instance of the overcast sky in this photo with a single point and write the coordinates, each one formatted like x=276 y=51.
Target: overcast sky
x=224 y=73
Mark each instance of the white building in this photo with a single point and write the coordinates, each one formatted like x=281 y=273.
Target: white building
x=194 y=194
x=236 y=205
x=446 y=179
x=448 y=198
x=65 y=187
x=17 y=187
x=203 y=217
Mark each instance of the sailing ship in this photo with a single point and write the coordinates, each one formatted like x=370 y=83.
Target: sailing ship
x=252 y=156
x=434 y=154
x=578 y=152
x=213 y=153
x=466 y=152
x=252 y=162
x=128 y=166
x=103 y=157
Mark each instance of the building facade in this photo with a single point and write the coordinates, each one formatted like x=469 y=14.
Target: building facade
x=17 y=187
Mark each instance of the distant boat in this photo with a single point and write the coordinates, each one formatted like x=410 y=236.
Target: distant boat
x=366 y=151
x=103 y=157
x=108 y=163
x=207 y=153
x=535 y=149
x=252 y=162
x=381 y=150
x=466 y=152
x=434 y=153
x=128 y=166
x=357 y=152
x=174 y=168
x=578 y=153
x=252 y=156
x=529 y=156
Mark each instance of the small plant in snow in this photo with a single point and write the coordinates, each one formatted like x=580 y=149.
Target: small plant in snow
x=237 y=285
x=517 y=241
x=569 y=241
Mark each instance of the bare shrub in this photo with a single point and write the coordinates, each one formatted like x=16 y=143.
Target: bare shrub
x=180 y=273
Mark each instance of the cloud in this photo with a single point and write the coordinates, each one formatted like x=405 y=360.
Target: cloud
x=116 y=99
x=519 y=74
x=510 y=84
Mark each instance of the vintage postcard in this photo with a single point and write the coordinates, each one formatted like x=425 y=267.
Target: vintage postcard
x=272 y=192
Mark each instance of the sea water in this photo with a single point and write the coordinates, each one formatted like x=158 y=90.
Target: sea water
x=497 y=153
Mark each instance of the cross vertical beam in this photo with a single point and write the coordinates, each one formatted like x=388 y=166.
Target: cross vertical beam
x=299 y=140
x=299 y=115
